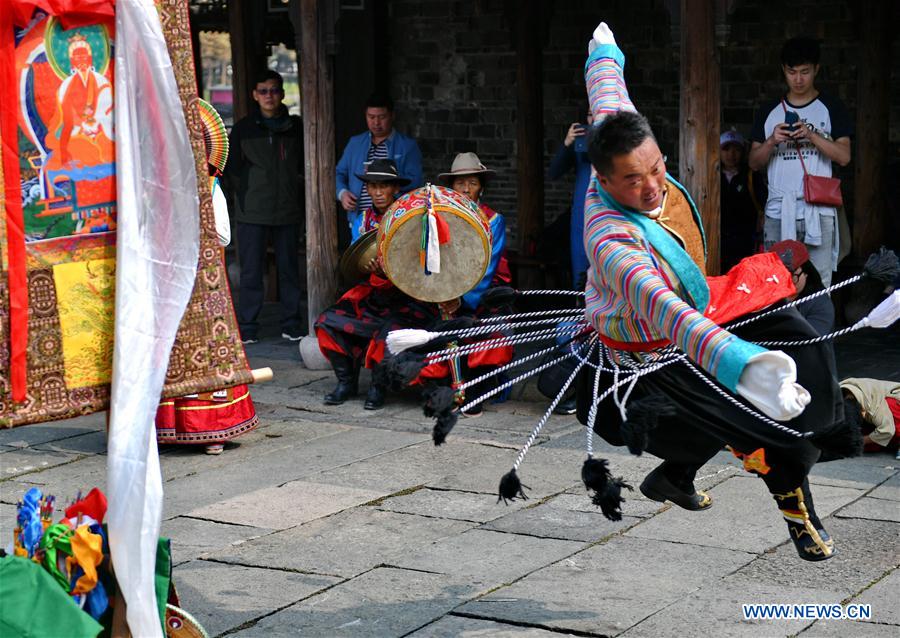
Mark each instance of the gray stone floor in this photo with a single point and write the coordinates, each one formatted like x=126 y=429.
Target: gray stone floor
x=334 y=521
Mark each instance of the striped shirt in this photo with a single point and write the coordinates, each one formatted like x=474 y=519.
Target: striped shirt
x=376 y=151
x=643 y=289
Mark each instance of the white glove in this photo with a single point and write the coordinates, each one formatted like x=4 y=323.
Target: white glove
x=602 y=35
x=769 y=382
x=885 y=313
x=220 y=214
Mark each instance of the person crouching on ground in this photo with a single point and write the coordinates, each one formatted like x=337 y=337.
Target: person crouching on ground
x=347 y=331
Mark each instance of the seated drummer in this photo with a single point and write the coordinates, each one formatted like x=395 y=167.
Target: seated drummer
x=469 y=176
x=350 y=332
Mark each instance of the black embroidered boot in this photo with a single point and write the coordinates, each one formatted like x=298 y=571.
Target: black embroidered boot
x=804 y=527
x=348 y=379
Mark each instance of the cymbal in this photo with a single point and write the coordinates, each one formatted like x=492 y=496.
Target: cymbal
x=361 y=252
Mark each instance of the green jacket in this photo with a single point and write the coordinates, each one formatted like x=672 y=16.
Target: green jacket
x=264 y=169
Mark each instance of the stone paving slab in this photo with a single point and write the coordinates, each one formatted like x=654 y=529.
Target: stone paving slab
x=285 y=506
x=7 y=522
x=872 y=508
x=743 y=517
x=487 y=558
x=451 y=504
x=37 y=433
x=865 y=551
x=89 y=443
x=715 y=610
x=192 y=537
x=280 y=466
x=181 y=460
x=382 y=602
x=479 y=468
x=452 y=626
x=222 y=597
x=559 y=518
x=889 y=490
x=608 y=588
x=391 y=471
x=346 y=544
x=27 y=460
x=862 y=472
x=883 y=597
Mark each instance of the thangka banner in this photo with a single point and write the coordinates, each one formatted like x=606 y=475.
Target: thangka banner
x=63 y=125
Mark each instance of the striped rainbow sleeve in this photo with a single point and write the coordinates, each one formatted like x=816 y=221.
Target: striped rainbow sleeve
x=606 y=88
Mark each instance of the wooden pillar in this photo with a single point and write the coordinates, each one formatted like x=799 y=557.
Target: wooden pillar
x=241 y=73
x=529 y=37
x=698 y=147
x=872 y=115
x=311 y=23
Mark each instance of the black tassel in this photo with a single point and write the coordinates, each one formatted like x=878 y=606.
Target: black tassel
x=511 y=488
x=845 y=439
x=497 y=298
x=400 y=370
x=607 y=490
x=882 y=265
x=445 y=423
x=439 y=399
x=643 y=416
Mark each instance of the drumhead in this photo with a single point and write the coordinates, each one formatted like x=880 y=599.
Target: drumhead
x=464 y=259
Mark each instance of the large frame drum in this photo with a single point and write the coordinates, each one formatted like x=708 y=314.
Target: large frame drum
x=464 y=258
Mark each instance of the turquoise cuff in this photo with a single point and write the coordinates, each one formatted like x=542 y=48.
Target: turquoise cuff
x=737 y=354
x=606 y=51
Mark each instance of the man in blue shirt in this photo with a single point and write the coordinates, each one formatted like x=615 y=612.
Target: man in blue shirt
x=381 y=141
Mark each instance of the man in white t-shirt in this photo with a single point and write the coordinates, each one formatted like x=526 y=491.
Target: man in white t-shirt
x=820 y=126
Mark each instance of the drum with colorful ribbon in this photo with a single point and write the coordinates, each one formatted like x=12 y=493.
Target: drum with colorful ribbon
x=435 y=244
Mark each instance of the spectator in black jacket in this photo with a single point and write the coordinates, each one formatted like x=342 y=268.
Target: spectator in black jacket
x=264 y=168
x=818 y=311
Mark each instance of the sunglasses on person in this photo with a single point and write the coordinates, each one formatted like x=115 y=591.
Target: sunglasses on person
x=268 y=91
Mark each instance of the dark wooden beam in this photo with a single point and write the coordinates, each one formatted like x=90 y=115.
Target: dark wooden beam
x=698 y=147
x=241 y=72
x=312 y=22
x=872 y=120
x=528 y=33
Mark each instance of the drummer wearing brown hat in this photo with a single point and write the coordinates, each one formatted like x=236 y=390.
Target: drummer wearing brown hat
x=345 y=330
x=468 y=176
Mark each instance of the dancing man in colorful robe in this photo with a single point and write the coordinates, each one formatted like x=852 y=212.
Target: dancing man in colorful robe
x=646 y=289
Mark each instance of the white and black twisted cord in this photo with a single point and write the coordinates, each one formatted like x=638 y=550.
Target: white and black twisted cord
x=537 y=428
x=515 y=363
x=525 y=337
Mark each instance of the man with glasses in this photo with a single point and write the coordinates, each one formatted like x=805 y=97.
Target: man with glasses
x=647 y=289
x=264 y=171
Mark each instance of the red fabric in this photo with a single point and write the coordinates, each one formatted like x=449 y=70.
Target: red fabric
x=206 y=420
x=634 y=346
x=15 y=230
x=443 y=230
x=756 y=282
x=327 y=343
x=375 y=353
x=494 y=357
x=71 y=13
x=93 y=505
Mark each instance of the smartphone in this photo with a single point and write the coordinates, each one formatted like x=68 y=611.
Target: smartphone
x=581 y=142
x=791 y=118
